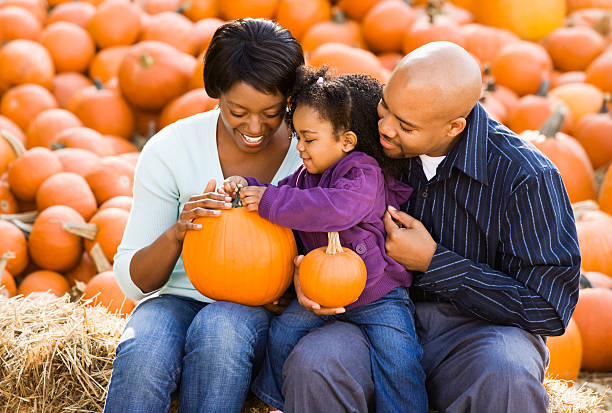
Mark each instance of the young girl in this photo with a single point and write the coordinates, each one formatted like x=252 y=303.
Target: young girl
x=341 y=187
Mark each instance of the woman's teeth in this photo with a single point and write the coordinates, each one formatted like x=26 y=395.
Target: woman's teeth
x=255 y=139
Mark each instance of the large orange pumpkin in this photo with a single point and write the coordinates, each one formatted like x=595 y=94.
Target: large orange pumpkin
x=18 y=23
x=565 y=354
x=239 y=257
x=71 y=46
x=573 y=48
x=103 y=289
x=332 y=276
x=485 y=42
x=171 y=28
x=593 y=315
x=599 y=72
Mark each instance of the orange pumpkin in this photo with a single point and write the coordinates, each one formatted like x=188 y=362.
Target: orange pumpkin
x=588 y=4
x=565 y=354
x=83 y=272
x=103 y=110
x=239 y=257
x=115 y=23
x=22 y=103
x=593 y=132
x=530 y=20
x=522 y=66
x=599 y=72
x=431 y=28
x=153 y=73
x=120 y=144
x=191 y=103
x=580 y=98
x=13 y=240
x=197 y=10
x=239 y=9
x=357 y=9
x=558 y=78
x=110 y=177
x=485 y=42
x=339 y=30
x=103 y=289
x=122 y=202
x=10 y=148
x=346 y=59
x=44 y=281
x=70 y=189
x=389 y=60
x=8 y=288
x=203 y=31
x=71 y=47
x=36 y=7
x=12 y=127
x=77 y=12
x=25 y=61
x=385 y=24
x=18 y=23
x=574 y=48
x=567 y=155
x=8 y=202
x=66 y=84
x=300 y=15
x=27 y=173
x=147 y=121
x=105 y=64
x=171 y=28
x=593 y=315
x=84 y=138
x=76 y=160
x=594 y=230
x=48 y=124
x=111 y=223
x=50 y=245
x=332 y=276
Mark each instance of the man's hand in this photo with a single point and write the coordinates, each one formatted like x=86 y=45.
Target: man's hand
x=306 y=302
x=251 y=196
x=410 y=245
x=278 y=306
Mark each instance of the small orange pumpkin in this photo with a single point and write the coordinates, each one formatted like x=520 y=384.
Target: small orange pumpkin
x=339 y=30
x=121 y=202
x=565 y=354
x=70 y=189
x=25 y=174
x=105 y=64
x=300 y=15
x=332 y=276
x=25 y=61
x=110 y=177
x=18 y=23
x=594 y=230
x=8 y=288
x=385 y=24
x=77 y=12
x=83 y=272
x=13 y=240
x=593 y=315
x=48 y=124
x=115 y=23
x=43 y=281
x=239 y=257
x=173 y=29
x=191 y=103
x=66 y=84
x=77 y=160
x=522 y=66
x=71 y=46
x=22 y=103
x=103 y=289
x=593 y=132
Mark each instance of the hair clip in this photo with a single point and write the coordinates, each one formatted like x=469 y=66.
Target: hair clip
x=320 y=80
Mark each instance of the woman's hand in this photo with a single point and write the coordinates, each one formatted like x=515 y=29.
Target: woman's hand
x=232 y=184
x=251 y=196
x=208 y=204
x=306 y=302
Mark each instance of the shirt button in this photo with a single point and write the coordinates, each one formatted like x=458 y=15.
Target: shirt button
x=424 y=194
x=360 y=248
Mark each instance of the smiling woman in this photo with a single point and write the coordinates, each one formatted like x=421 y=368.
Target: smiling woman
x=178 y=335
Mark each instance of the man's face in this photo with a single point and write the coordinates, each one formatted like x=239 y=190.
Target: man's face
x=407 y=127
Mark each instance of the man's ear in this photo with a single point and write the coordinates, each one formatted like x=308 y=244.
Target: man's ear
x=349 y=141
x=456 y=126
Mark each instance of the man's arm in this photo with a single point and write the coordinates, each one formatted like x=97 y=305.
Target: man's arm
x=537 y=289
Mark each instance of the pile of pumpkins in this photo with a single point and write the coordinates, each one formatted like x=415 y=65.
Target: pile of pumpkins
x=83 y=84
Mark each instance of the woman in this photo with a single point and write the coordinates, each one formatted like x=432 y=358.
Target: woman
x=178 y=336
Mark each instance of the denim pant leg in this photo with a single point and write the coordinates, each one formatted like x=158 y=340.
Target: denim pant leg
x=225 y=346
x=147 y=365
x=285 y=331
x=395 y=352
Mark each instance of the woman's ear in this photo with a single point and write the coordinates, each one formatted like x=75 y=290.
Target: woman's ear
x=349 y=141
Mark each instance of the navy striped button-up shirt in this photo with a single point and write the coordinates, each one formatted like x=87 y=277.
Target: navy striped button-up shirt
x=507 y=246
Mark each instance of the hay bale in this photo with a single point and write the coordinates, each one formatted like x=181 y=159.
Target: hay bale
x=56 y=356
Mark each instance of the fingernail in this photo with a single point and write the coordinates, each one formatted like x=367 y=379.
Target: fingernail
x=216 y=212
x=228 y=199
x=340 y=311
x=228 y=204
x=391 y=208
x=316 y=307
x=198 y=226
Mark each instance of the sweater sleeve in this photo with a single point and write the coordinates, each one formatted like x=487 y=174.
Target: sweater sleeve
x=154 y=210
x=343 y=205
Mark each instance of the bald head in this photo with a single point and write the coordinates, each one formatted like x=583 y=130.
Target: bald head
x=441 y=77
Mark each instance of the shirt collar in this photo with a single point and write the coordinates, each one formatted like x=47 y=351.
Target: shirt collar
x=469 y=155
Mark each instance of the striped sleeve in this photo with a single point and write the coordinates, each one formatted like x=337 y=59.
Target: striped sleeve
x=537 y=288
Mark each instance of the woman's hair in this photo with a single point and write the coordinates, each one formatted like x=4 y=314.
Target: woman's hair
x=348 y=102
x=258 y=52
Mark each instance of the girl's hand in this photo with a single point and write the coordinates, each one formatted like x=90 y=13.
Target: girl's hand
x=251 y=196
x=306 y=302
x=208 y=204
x=231 y=185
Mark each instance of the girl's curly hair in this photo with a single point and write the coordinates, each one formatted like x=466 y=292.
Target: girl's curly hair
x=349 y=102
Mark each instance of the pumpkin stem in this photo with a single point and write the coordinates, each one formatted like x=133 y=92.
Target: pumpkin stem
x=338 y=16
x=146 y=60
x=603 y=25
x=24 y=217
x=579 y=208
x=237 y=202
x=333 y=244
x=88 y=231
x=183 y=7
x=544 y=87
x=100 y=261
x=606 y=101
x=5 y=257
x=434 y=8
x=491 y=84
x=554 y=122
x=486 y=69
x=98 y=83
x=14 y=142
x=56 y=145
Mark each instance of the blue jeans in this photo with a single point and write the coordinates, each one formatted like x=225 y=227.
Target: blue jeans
x=210 y=350
x=395 y=352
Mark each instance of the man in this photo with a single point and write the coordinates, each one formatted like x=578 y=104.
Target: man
x=490 y=235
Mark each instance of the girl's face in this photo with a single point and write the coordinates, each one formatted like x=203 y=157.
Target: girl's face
x=251 y=117
x=318 y=145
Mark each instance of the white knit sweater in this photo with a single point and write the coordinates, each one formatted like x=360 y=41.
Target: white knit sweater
x=174 y=165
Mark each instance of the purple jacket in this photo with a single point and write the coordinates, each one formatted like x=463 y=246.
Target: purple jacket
x=351 y=198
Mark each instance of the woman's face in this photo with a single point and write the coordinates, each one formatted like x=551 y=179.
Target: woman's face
x=251 y=117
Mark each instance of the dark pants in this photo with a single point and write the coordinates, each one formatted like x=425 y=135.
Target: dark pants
x=471 y=366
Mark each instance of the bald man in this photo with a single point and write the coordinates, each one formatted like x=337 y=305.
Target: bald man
x=489 y=234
